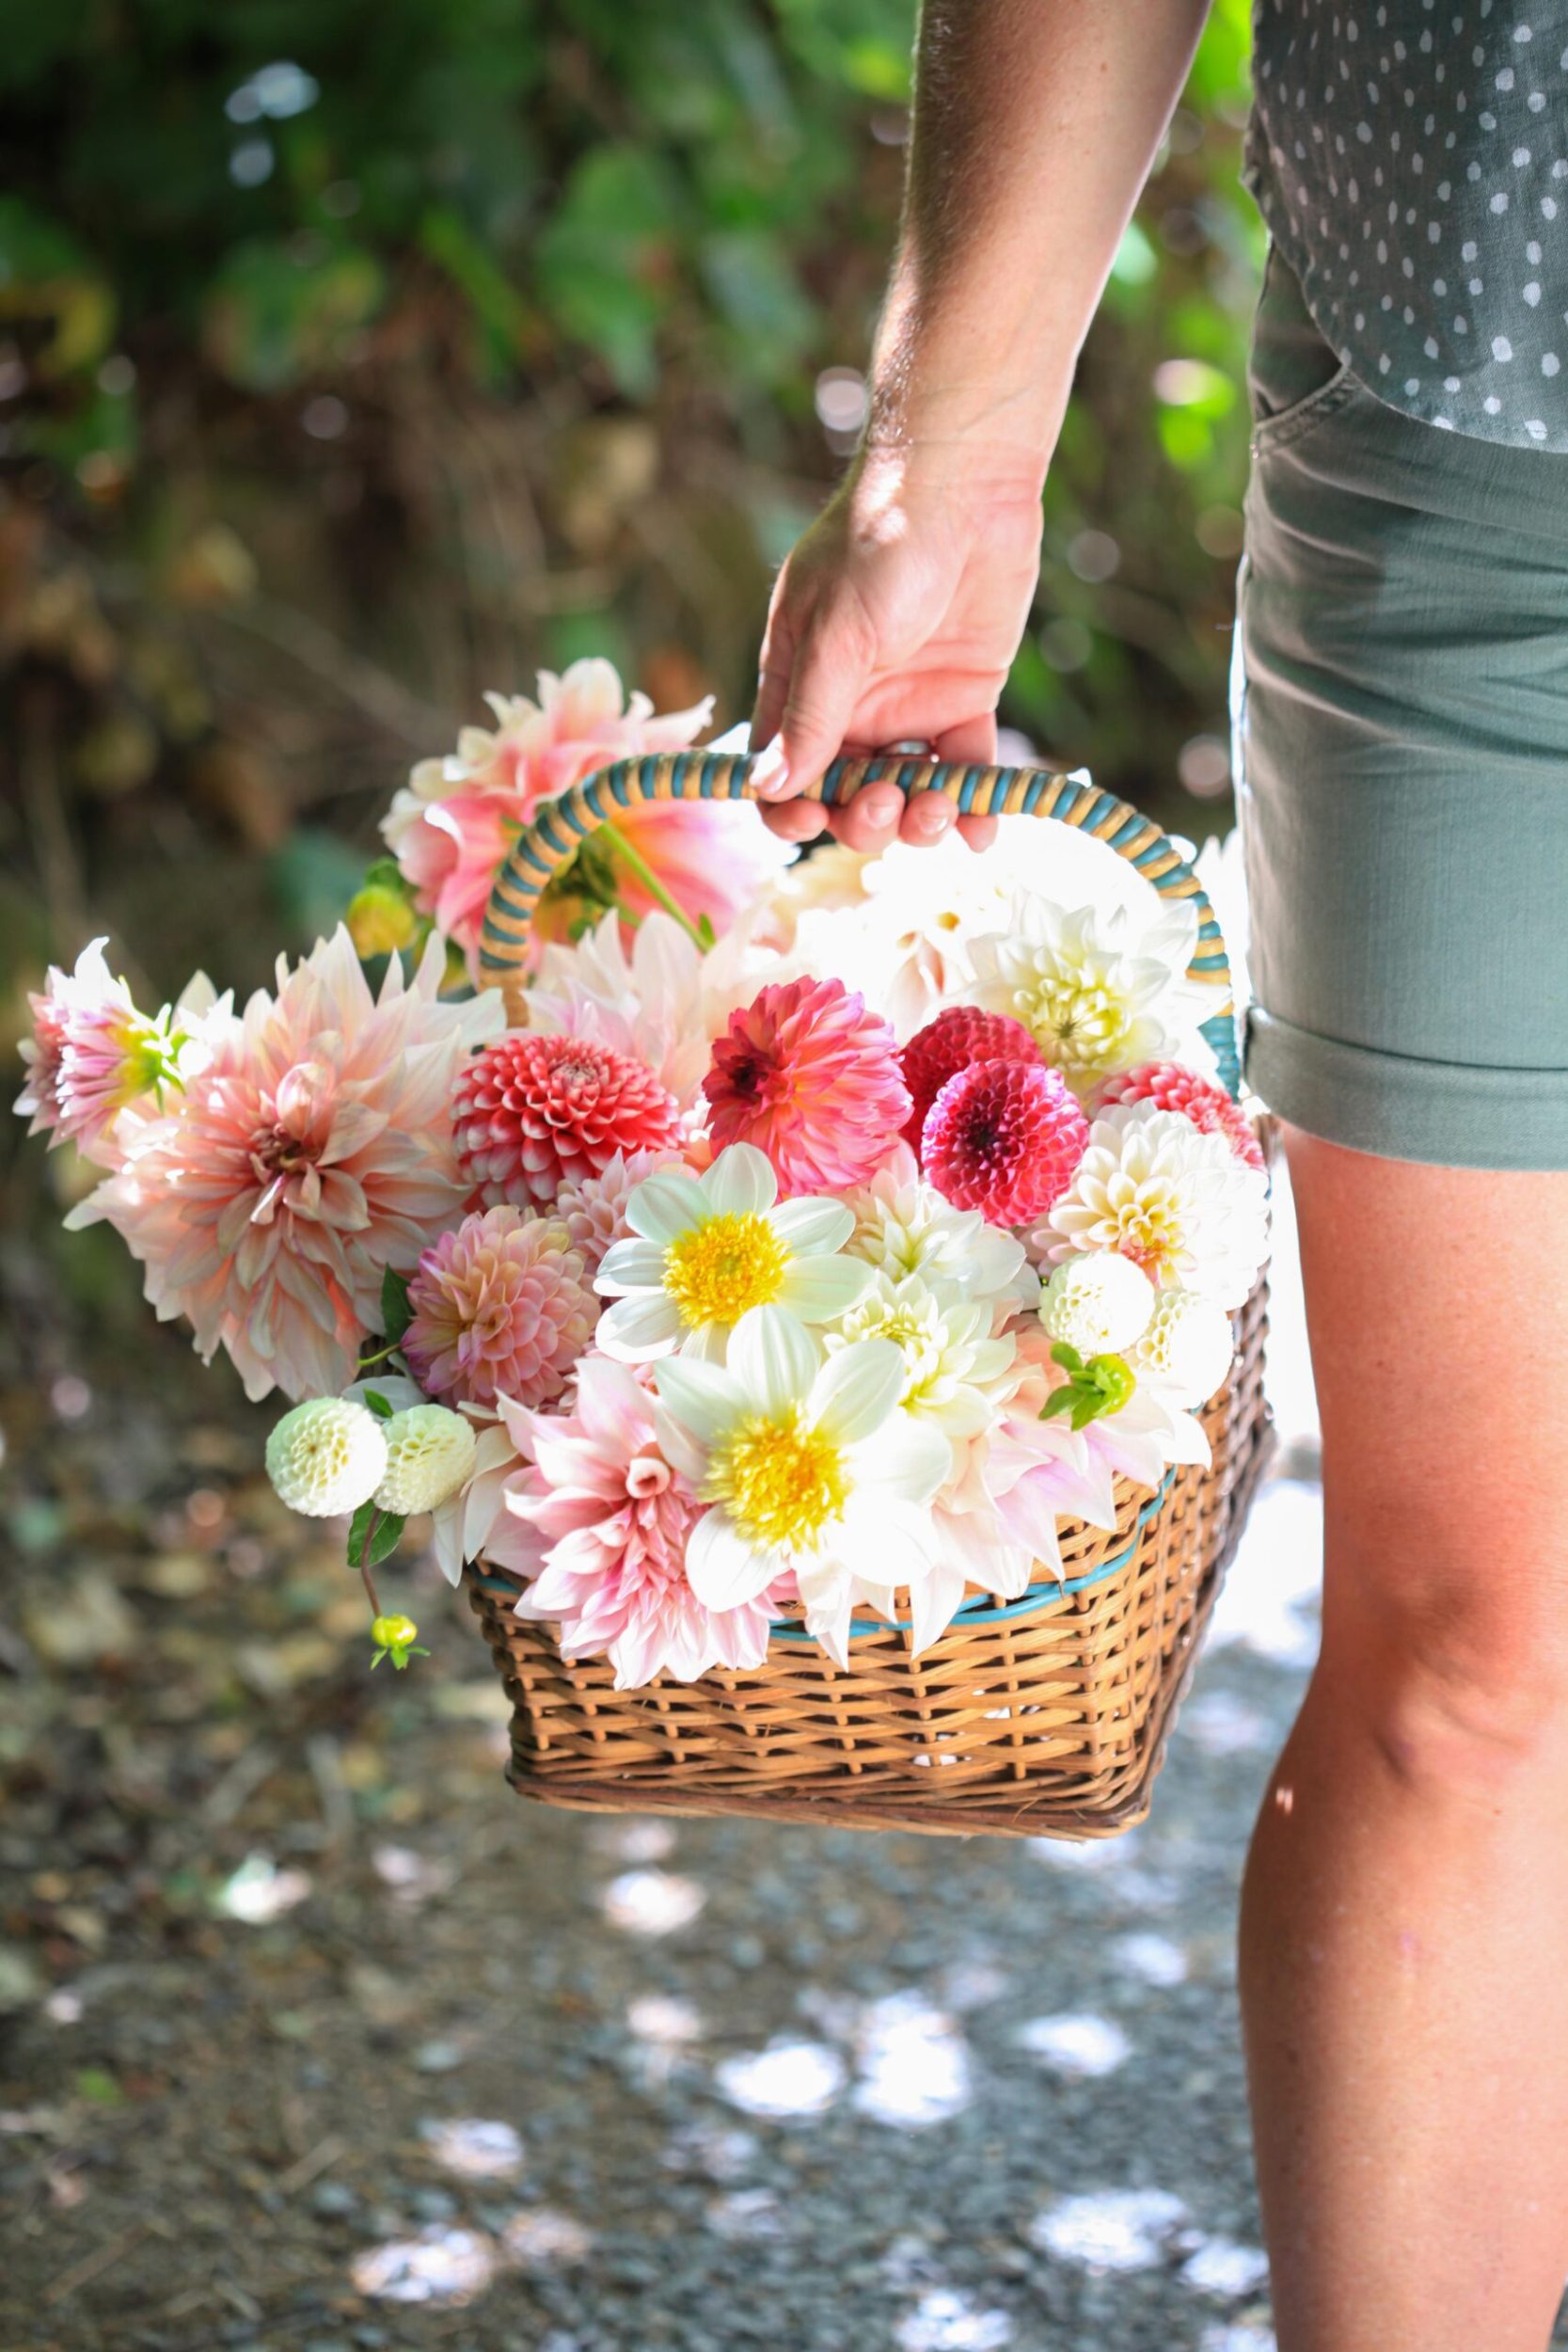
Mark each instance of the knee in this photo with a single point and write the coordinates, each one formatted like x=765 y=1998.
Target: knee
x=1463 y=1694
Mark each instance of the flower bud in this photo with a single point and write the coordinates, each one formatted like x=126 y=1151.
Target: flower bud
x=381 y=919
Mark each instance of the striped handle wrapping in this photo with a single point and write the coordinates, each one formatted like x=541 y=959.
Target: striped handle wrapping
x=561 y=826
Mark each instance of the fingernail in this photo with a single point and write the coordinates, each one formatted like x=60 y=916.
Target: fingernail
x=771 y=772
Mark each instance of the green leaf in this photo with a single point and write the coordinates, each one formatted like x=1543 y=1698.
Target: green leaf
x=384 y=1528
x=378 y=1405
x=277 y=312
x=396 y=1313
x=1060 y=1401
x=1067 y=1357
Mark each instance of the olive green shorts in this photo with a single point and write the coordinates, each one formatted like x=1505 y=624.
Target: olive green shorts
x=1400 y=704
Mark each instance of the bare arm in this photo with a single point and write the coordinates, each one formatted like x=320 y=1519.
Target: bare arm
x=899 y=611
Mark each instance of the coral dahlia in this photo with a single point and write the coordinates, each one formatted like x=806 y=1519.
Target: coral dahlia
x=1174 y=1088
x=501 y=1307
x=312 y=1149
x=811 y=1077
x=533 y=1113
x=1004 y=1137
x=959 y=1034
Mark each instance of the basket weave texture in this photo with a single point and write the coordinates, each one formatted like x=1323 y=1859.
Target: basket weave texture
x=1045 y=1716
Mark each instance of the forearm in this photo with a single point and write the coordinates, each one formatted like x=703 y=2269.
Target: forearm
x=1035 y=125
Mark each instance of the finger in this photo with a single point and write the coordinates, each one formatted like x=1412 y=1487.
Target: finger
x=869 y=819
x=794 y=820
x=830 y=669
x=929 y=816
x=775 y=663
x=979 y=831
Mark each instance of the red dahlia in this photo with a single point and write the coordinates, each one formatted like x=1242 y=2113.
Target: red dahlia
x=533 y=1113
x=1005 y=1138
x=1208 y=1106
x=957 y=1036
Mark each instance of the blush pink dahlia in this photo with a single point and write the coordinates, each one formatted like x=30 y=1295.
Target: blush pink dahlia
x=312 y=1149
x=454 y=821
x=501 y=1307
x=92 y=1055
x=616 y=1516
x=811 y=1077
x=1174 y=1088
x=1004 y=1137
x=594 y=1209
x=533 y=1113
x=959 y=1035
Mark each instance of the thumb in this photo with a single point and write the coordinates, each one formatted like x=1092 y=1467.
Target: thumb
x=831 y=668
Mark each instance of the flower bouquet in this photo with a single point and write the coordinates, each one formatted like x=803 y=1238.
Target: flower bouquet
x=818 y=1304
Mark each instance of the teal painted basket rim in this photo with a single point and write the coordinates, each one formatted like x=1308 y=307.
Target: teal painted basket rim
x=972 y=1612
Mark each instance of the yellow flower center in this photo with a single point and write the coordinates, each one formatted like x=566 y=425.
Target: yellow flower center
x=780 y=1482
x=723 y=1266
x=1150 y=1234
x=1077 y=1023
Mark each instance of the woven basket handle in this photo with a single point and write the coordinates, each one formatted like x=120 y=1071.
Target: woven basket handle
x=561 y=826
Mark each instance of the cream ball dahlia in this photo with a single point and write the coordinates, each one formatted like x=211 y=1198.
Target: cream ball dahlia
x=1099 y=1304
x=1188 y=1344
x=326 y=1457
x=430 y=1452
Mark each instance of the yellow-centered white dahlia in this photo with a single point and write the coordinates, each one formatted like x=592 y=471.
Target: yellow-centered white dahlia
x=1098 y=991
x=953 y=1365
x=1188 y=1344
x=326 y=1457
x=1099 y=1304
x=1177 y=1202
x=709 y=1249
x=904 y=1226
x=807 y=1467
x=430 y=1453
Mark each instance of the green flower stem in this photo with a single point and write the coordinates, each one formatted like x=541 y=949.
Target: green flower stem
x=366 y=1577
x=619 y=846
x=380 y=1356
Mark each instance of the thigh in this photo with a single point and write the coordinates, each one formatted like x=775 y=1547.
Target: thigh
x=1402 y=724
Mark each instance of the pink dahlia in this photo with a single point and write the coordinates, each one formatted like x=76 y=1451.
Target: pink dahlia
x=594 y=1208
x=312 y=1149
x=811 y=1078
x=960 y=1034
x=533 y=1113
x=1004 y=1137
x=1208 y=1106
x=454 y=821
x=501 y=1307
x=616 y=1516
x=92 y=1055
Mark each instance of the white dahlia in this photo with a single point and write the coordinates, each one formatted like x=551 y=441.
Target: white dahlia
x=326 y=1457
x=903 y=1226
x=1188 y=1346
x=1176 y=1202
x=1099 y=1303
x=954 y=1367
x=430 y=1453
x=1099 y=990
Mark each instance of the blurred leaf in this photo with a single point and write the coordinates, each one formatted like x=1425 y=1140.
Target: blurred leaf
x=274 y=316
x=605 y=261
x=314 y=877
x=46 y=275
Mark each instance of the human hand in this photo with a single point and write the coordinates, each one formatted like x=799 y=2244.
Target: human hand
x=896 y=618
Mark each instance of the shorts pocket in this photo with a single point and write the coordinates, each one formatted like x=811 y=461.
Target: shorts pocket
x=1294 y=380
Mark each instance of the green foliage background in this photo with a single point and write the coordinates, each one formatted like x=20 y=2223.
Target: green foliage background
x=355 y=358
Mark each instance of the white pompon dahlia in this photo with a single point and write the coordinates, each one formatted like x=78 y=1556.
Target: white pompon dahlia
x=326 y=1457
x=808 y=1469
x=430 y=1453
x=904 y=1226
x=1099 y=1303
x=1098 y=990
x=1178 y=1203
x=710 y=1248
x=1189 y=1345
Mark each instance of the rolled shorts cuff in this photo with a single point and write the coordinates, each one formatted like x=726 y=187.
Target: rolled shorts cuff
x=1447 y=1114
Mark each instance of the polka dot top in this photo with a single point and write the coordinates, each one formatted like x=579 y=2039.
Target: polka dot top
x=1411 y=163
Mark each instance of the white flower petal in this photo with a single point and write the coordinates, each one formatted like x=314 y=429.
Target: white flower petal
x=905 y=1458
x=664 y=1206
x=810 y=1227
x=817 y=1289
x=773 y=1359
x=740 y=1183
x=721 y=1568
x=857 y=1390
x=702 y=1396
x=630 y=1266
x=637 y=1329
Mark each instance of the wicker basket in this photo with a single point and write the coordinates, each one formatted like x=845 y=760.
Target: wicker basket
x=1044 y=1716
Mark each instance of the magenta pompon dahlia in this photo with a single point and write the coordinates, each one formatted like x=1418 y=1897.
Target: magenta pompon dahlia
x=960 y=1034
x=811 y=1078
x=501 y=1307
x=1004 y=1137
x=534 y=1112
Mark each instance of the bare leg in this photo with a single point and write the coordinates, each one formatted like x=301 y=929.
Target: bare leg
x=1404 y=1920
